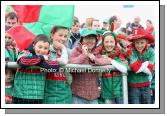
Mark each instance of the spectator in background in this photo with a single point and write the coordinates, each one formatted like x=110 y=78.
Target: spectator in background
x=83 y=26
x=150 y=30
x=135 y=24
x=96 y=24
x=11 y=19
x=128 y=29
x=149 y=27
x=114 y=23
x=105 y=25
x=74 y=34
x=89 y=22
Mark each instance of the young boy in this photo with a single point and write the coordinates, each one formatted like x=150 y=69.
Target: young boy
x=142 y=64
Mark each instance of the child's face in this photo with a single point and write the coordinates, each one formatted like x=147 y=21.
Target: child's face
x=11 y=22
x=109 y=43
x=8 y=38
x=41 y=48
x=8 y=75
x=60 y=35
x=89 y=41
x=96 y=25
x=140 y=44
x=75 y=27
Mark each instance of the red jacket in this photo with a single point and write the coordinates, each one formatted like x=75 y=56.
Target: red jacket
x=85 y=84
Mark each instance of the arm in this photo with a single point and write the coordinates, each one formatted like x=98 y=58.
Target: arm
x=27 y=61
x=63 y=60
x=119 y=66
x=49 y=64
x=77 y=57
x=100 y=60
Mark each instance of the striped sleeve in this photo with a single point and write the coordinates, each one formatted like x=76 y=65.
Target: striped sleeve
x=49 y=64
x=28 y=59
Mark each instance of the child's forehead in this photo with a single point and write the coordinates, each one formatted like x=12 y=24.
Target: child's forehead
x=140 y=40
x=108 y=37
x=41 y=42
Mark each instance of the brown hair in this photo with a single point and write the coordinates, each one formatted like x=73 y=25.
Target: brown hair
x=56 y=28
x=149 y=21
x=41 y=37
x=11 y=15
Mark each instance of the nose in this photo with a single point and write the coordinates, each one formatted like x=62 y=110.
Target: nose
x=63 y=40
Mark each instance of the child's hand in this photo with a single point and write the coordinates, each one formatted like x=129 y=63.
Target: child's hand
x=91 y=56
x=57 y=45
x=85 y=49
x=45 y=57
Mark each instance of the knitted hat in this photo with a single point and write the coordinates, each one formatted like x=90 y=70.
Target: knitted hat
x=140 y=33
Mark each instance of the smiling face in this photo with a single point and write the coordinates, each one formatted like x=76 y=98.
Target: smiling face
x=89 y=41
x=8 y=38
x=11 y=22
x=41 y=48
x=60 y=35
x=140 y=44
x=109 y=43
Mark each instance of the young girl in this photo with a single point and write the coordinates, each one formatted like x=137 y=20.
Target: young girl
x=29 y=81
x=57 y=90
x=111 y=83
x=85 y=84
x=142 y=64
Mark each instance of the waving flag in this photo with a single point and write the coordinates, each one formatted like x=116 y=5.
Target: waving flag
x=37 y=18
x=22 y=36
x=27 y=13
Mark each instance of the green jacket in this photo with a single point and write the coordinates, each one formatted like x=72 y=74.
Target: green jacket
x=135 y=62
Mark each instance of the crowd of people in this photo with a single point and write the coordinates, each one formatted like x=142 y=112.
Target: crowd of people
x=88 y=43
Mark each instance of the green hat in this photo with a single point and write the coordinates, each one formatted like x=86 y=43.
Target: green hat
x=85 y=32
x=106 y=21
x=100 y=31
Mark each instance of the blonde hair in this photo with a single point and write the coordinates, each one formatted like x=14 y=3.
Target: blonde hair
x=89 y=22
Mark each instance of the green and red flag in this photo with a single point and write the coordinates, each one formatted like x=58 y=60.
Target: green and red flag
x=39 y=19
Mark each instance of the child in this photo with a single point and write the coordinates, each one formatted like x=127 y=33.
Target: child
x=57 y=90
x=111 y=83
x=142 y=64
x=29 y=82
x=85 y=84
x=9 y=74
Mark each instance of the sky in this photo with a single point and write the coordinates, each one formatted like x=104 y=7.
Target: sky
x=102 y=12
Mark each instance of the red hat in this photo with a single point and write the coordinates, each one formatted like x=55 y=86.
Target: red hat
x=140 y=33
x=121 y=37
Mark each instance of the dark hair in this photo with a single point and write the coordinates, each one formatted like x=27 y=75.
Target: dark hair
x=56 y=28
x=112 y=19
x=94 y=36
x=75 y=20
x=41 y=37
x=149 y=21
x=123 y=29
x=107 y=34
x=11 y=15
